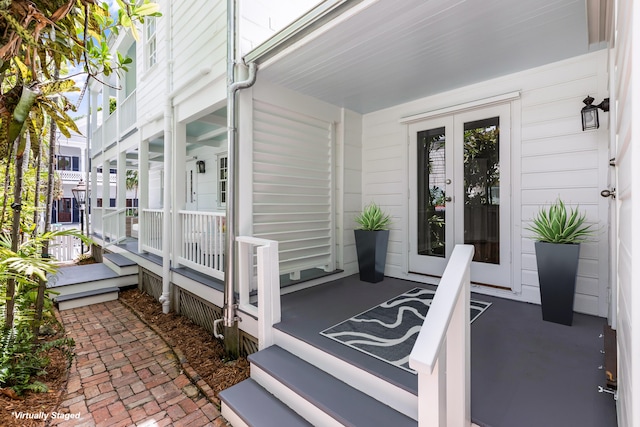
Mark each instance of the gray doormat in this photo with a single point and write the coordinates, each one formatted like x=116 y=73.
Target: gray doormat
x=389 y=330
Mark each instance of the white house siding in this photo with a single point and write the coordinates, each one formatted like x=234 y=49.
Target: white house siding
x=551 y=157
x=626 y=99
x=292 y=169
x=199 y=47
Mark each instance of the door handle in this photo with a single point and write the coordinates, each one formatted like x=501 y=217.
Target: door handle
x=448 y=199
x=608 y=193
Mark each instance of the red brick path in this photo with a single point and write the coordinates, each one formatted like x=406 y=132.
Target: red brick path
x=124 y=374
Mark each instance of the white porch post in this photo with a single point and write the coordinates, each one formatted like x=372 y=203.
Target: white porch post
x=121 y=185
x=179 y=191
x=143 y=188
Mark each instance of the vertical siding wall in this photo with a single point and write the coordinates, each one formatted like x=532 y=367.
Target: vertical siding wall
x=551 y=157
x=627 y=97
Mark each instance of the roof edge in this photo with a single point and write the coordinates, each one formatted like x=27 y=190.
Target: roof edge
x=299 y=29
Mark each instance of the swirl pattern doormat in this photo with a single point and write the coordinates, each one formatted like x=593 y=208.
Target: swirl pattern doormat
x=389 y=330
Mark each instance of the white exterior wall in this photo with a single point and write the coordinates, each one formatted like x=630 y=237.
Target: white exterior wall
x=625 y=128
x=550 y=157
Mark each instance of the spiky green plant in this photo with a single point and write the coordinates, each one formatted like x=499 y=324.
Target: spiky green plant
x=558 y=225
x=373 y=218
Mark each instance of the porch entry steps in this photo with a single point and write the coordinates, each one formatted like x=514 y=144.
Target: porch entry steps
x=306 y=390
x=87 y=284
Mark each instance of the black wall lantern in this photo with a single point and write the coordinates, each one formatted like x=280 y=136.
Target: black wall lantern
x=590 y=113
x=201 y=168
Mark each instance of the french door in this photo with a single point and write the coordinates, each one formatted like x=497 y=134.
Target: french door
x=459 y=193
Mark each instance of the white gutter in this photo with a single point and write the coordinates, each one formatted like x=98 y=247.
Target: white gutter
x=316 y=18
x=165 y=299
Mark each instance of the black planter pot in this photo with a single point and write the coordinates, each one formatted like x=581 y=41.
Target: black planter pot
x=557 y=271
x=372 y=254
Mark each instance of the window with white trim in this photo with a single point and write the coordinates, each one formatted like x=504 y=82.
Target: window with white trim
x=151 y=43
x=222 y=179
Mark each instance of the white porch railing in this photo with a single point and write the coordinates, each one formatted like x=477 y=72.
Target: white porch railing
x=262 y=276
x=96 y=141
x=202 y=236
x=96 y=221
x=127 y=114
x=71 y=176
x=110 y=130
x=442 y=352
x=150 y=230
x=114 y=226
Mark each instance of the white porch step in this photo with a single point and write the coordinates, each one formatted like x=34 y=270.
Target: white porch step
x=318 y=397
x=120 y=264
x=89 y=277
x=398 y=398
x=81 y=299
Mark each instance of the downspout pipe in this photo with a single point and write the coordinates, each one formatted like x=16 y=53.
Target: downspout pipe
x=165 y=299
x=230 y=306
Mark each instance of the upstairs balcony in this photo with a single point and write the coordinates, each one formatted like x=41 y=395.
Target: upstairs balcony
x=118 y=124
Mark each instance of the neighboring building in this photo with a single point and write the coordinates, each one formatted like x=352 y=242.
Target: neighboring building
x=343 y=101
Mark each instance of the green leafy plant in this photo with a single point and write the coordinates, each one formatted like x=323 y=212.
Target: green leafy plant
x=21 y=359
x=559 y=225
x=373 y=218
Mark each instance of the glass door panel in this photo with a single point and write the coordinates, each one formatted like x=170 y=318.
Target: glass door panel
x=431 y=207
x=481 y=182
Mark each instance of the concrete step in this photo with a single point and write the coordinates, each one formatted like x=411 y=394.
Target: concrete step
x=318 y=397
x=120 y=264
x=81 y=299
x=247 y=404
x=89 y=277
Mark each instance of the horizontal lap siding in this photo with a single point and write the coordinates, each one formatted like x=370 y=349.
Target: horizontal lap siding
x=551 y=157
x=292 y=183
x=558 y=159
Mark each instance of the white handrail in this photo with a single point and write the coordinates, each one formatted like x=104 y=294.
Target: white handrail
x=267 y=275
x=442 y=352
x=150 y=230
x=115 y=232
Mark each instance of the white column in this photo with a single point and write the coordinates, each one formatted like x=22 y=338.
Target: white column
x=179 y=185
x=143 y=187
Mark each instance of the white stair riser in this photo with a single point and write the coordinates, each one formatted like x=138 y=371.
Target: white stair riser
x=93 y=299
x=121 y=271
x=98 y=284
x=233 y=418
x=299 y=404
x=397 y=398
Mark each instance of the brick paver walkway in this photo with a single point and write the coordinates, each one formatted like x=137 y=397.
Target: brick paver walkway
x=124 y=374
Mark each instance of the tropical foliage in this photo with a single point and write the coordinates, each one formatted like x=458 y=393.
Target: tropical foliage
x=559 y=225
x=372 y=218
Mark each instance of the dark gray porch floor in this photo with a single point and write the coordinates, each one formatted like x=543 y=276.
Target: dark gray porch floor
x=524 y=371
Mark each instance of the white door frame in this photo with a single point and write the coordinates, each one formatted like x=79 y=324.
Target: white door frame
x=483 y=273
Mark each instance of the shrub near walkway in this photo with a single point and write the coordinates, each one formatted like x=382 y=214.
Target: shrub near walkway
x=124 y=374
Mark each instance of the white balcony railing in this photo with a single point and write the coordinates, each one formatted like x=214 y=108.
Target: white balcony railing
x=70 y=176
x=96 y=141
x=201 y=242
x=150 y=230
x=127 y=114
x=442 y=352
x=110 y=130
x=258 y=270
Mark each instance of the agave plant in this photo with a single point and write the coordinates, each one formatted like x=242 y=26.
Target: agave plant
x=373 y=218
x=557 y=225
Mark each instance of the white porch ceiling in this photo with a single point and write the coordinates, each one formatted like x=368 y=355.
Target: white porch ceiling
x=394 y=51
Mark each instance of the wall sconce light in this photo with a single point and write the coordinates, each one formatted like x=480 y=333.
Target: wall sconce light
x=201 y=168
x=590 y=113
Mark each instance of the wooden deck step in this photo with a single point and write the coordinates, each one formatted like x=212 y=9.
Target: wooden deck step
x=81 y=299
x=315 y=395
x=120 y=264
x=246 y=404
